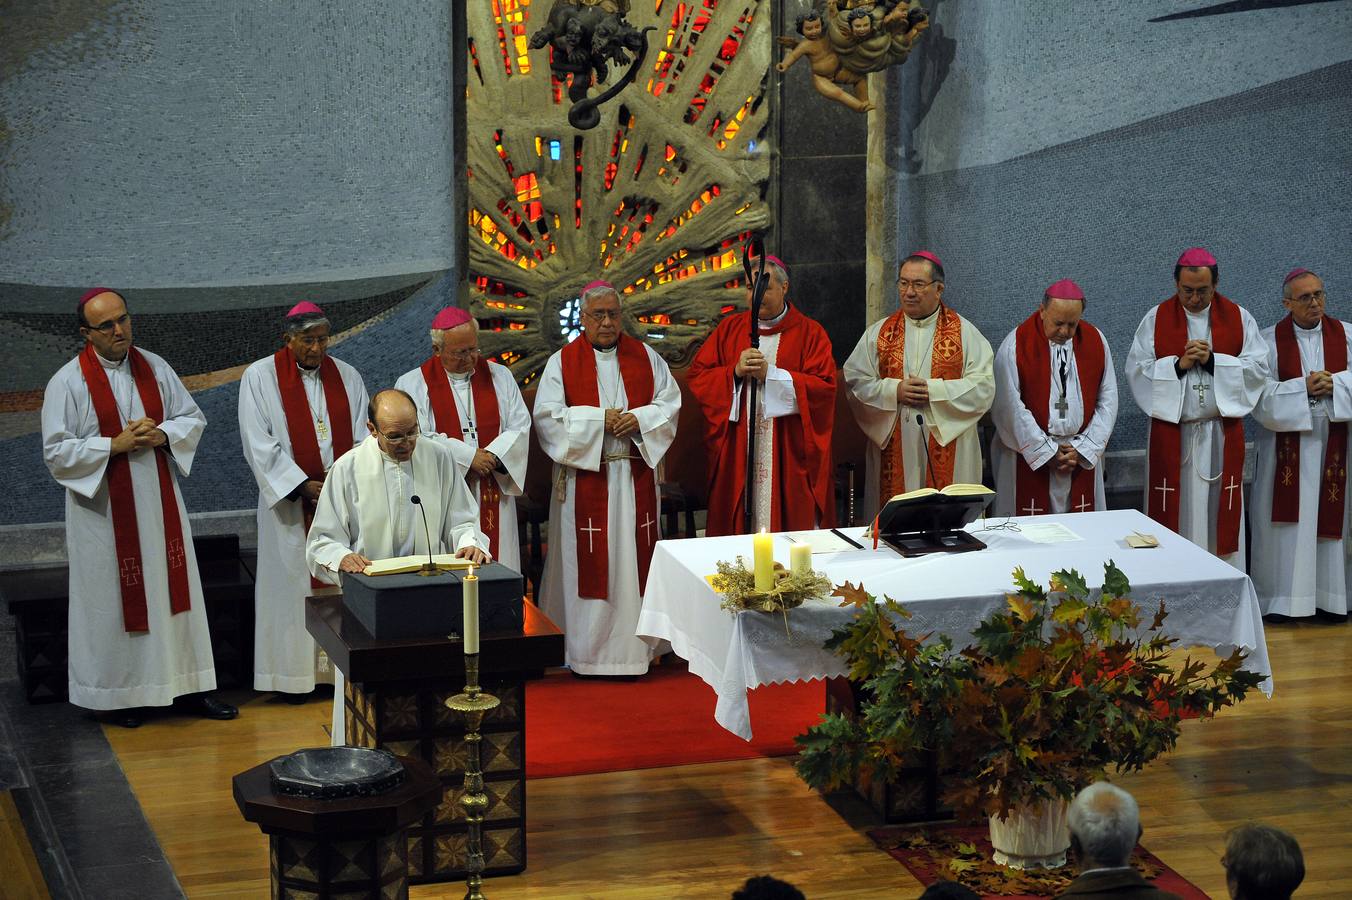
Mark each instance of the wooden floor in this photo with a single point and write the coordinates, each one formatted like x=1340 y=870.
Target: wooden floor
x=698 y=831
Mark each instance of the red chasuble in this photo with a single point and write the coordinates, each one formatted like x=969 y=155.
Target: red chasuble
x=446 y=416
x=1286 y=478
x=1032 y=488
x=946 y=364
x=804 y=494
x=122 y=498
x=1166 y=438
x=300 y=421
x=591 y=493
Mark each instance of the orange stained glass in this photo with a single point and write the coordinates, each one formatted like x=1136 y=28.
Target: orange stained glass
x=510 y=16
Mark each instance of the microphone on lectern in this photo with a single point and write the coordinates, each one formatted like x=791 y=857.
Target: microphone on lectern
x=924 y=442
x=429 y=567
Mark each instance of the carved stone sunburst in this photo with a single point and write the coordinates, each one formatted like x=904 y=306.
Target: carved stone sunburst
x=656 y=199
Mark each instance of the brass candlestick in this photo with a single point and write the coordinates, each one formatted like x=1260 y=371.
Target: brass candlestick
x=473 y=704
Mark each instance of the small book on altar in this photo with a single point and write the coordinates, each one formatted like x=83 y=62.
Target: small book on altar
x=952 y=490
x=398 y=565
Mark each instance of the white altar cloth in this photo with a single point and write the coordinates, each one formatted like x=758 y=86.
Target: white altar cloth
x=1210 y=603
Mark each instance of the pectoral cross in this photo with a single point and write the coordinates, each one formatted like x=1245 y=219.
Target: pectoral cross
x=1164 y=490
x=1201 y=387
x=647 y=528
x=1230 y=493
x=470 y=434
x=591 y=532
x=1084 y=505
x=175 y=554
x=321 y=429
x=1032 y=508
x=1062 y=406
x=131 y=572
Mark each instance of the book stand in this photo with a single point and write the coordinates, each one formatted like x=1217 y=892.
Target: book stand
x=920 y=526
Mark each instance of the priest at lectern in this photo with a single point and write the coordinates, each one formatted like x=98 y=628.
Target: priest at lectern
x=370 y=506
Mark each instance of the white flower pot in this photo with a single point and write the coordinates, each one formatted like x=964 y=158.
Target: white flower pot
x=1032 y=837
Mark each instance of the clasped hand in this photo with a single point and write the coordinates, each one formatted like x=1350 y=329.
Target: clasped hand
x=1319 y=384
x=1067 y=458
x=484 y=462
x=913 y=391
x=752 y=362
x=1196 y=352
x=139 y=433
x=620 y=423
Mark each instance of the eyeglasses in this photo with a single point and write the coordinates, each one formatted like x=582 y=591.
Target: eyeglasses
x=1308 y=299
x=312 y=340
x=467 y=353
x=603 y=315
x=906 y=286
x=407 y=437
x=111 y=325
x=1190 y=292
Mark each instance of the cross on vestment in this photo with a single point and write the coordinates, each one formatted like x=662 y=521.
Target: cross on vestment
x=591 y=531
x=647 y=528
x=1084 y=505
x=1032 y=509
x=131 y=572
x=1164 y=490
x=1062 y=406
x=1201 y=387
x=175 y=553
x=1230 y=493
x=321 y=429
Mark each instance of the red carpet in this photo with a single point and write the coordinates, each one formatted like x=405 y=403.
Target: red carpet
x=578 y=726
x=937 y=853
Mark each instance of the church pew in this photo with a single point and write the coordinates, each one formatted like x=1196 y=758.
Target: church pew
x=38 y=599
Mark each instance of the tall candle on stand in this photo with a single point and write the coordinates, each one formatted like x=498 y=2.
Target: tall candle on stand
x=764 y=558
x=469 y=595
x=800 y=559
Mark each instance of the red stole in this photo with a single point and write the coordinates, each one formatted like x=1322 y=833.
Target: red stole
x=946 y=364
x=1286 y=478
x=801 y=484
x=1034 y=360
x=300 y=423
x=1166 y=438
x=446 y=419
x=591 y=495
x=121 y=496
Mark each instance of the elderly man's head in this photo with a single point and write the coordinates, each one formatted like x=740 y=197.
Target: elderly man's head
x=920 y=285
x=1262 y=862
x=306 y=331
x=458 y=346
x=105 y=323
x=1061 y=310
x=392 y=417
x=776 y=295
x=1303 y=296
x=600 y=312
x=1105 y=825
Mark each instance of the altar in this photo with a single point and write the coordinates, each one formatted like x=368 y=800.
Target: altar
x=1210 y=603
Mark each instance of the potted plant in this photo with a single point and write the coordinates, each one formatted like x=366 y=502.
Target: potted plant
x=1053 y=689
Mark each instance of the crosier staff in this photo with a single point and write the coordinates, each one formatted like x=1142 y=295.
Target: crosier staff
x=753 y=247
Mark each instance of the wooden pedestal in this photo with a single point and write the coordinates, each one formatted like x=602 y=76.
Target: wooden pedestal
x=395 y=699
x=354 y=848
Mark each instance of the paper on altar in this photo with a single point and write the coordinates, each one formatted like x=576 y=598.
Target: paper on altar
x=1047 y=532
x=823 y=541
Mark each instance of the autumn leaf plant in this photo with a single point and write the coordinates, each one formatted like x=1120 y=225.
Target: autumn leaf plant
x=1055 y=688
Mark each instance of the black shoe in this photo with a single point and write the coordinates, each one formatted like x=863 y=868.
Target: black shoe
x=296 y=699
x=207 y=706
x=131 y=717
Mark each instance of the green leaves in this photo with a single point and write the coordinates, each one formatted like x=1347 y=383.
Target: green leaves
x=1054 y=687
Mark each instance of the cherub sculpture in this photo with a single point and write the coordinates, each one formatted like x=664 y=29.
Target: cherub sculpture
x=587 y=36
x=846 y=44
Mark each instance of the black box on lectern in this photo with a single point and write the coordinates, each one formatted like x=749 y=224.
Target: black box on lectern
x=919 y=523
x=412 y=605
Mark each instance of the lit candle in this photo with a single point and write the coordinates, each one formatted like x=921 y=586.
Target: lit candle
x=800 y=559
x=764 y=557
x=469 y=594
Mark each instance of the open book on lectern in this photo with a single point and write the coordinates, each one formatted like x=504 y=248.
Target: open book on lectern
x=930 y=510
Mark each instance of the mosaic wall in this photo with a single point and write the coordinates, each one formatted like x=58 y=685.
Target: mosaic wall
x=1097 y=141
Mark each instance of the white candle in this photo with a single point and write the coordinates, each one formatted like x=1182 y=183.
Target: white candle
x=469 y=595
x=763 y=556
x=800 y=559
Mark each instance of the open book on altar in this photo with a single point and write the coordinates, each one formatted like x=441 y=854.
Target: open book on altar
x=397 y=565
x=931 y=521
